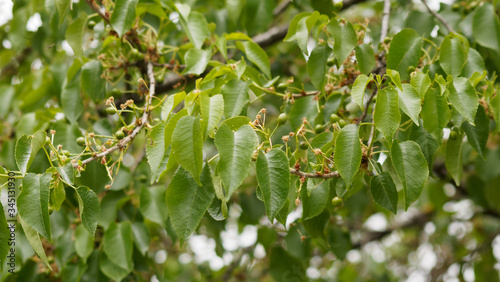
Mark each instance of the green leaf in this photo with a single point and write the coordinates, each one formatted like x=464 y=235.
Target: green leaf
x=235 y=151
x=348 y=153
x=273 y=176
x=118 y=246
x=93 y=86
x=110 y=269
x=292 y=28
x=152 y=204
x=339 y=242
x=454 y=160
x=62 y=8
x=57 y=196
x=188 y=201
x=171 y=103
x=71 y=101
x=366 y=58
x=421 y=82
x=74 y=34
x=90 y=210
x=123 y=15
x=358 y=89
x=156 y=151
x=452 y=56
x=4 y=237
x=33 y=202
x=495 y=106
x=141 y=237
x=35 y=242
x=475 y=63
x=396 y=79
x=386 y=115
x=236 y=122
x=316 y=65
x=314 y=195
x=426 y=141
x=196 y=28
x=463 y=97
x=235 y=93
x=305 y=107
x=84 y=242
x=283 y=265
x=256 y=55
x=486 y=27
x=212 y=109
x=345 y=39
x=435 y=112
x=384 y=191
x=187 y=145
x=26 y=149
x=477 y=135
x=409 y=102
x=404 y=51
x=196 y=61
x=259 y=15
x=411 y=167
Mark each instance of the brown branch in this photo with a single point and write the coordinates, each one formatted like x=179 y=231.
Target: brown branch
x=95 y=7
x=333 y=174
x=438 y=16
x=281 y=7
x=143 y=120
x=385 y=19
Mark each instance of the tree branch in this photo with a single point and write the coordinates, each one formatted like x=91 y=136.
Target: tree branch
x=438 y=16
x=385 y=19
x=333 y=174
x=95 y=7
x=143 y=120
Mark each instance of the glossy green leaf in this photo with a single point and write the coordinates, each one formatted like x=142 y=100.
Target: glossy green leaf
x=427 y=143
x=118 y=244
x=71 y=100
x=152 y=204
x=339 y=242
x=93 y=86
x=409 y=101
x=454 y=160
x=196 y=61
x=256 y=55
x=283 y=265
x=316 y=65
x=396 y=79
x=475 y=63
x=188 y=201
x=452 y=56
x=294 y=25
x=435 y=112
x=411 y=167
x=495 y=106
x=384 y=191
x=74 y=34
x=123 y=16
x=187 y=145
x=170 y=104
x=314 y=196
x=156 y=151
x=141 y=237
x=345 y=39
x=212 y=109
x=110 y=269
x=477 y=135
x=35 y=242
x=273 y=176
x=358 y=89
x=421 y=82
x=26 y=149
x=366 y=58
x=33 y=202
x=236 y=122
x=235 y=95
x=62 y=8
x=348 y=153
x=305 y=107
x=89 y=208
x=463 y=97
x=404 y=51
x=197 y=29
x=486 y=27
x=386 y=116
x=235 y=150
x=84 y=242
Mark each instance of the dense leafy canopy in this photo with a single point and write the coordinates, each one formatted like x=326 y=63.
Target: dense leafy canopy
x=141 y=138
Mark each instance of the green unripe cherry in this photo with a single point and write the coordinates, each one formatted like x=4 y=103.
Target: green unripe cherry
x=453 y=135
x=282 y=86
x=334 y=118
x=91 y=24
x=110 y=110
x=410 y=69
x=66 y=153
x=337 y=202
x=80 y=141
x=319 y=128
x=303 y=145
x=282 y=118
x=342 y=123
x=338 y=6
x=119 y=135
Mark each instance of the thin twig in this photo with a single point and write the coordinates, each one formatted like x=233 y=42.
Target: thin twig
x=365 y=111
x=438 y=16
x=281 y=7
x=144 y=119
x=333 y=174
x=385 y=19
x=95 y=7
